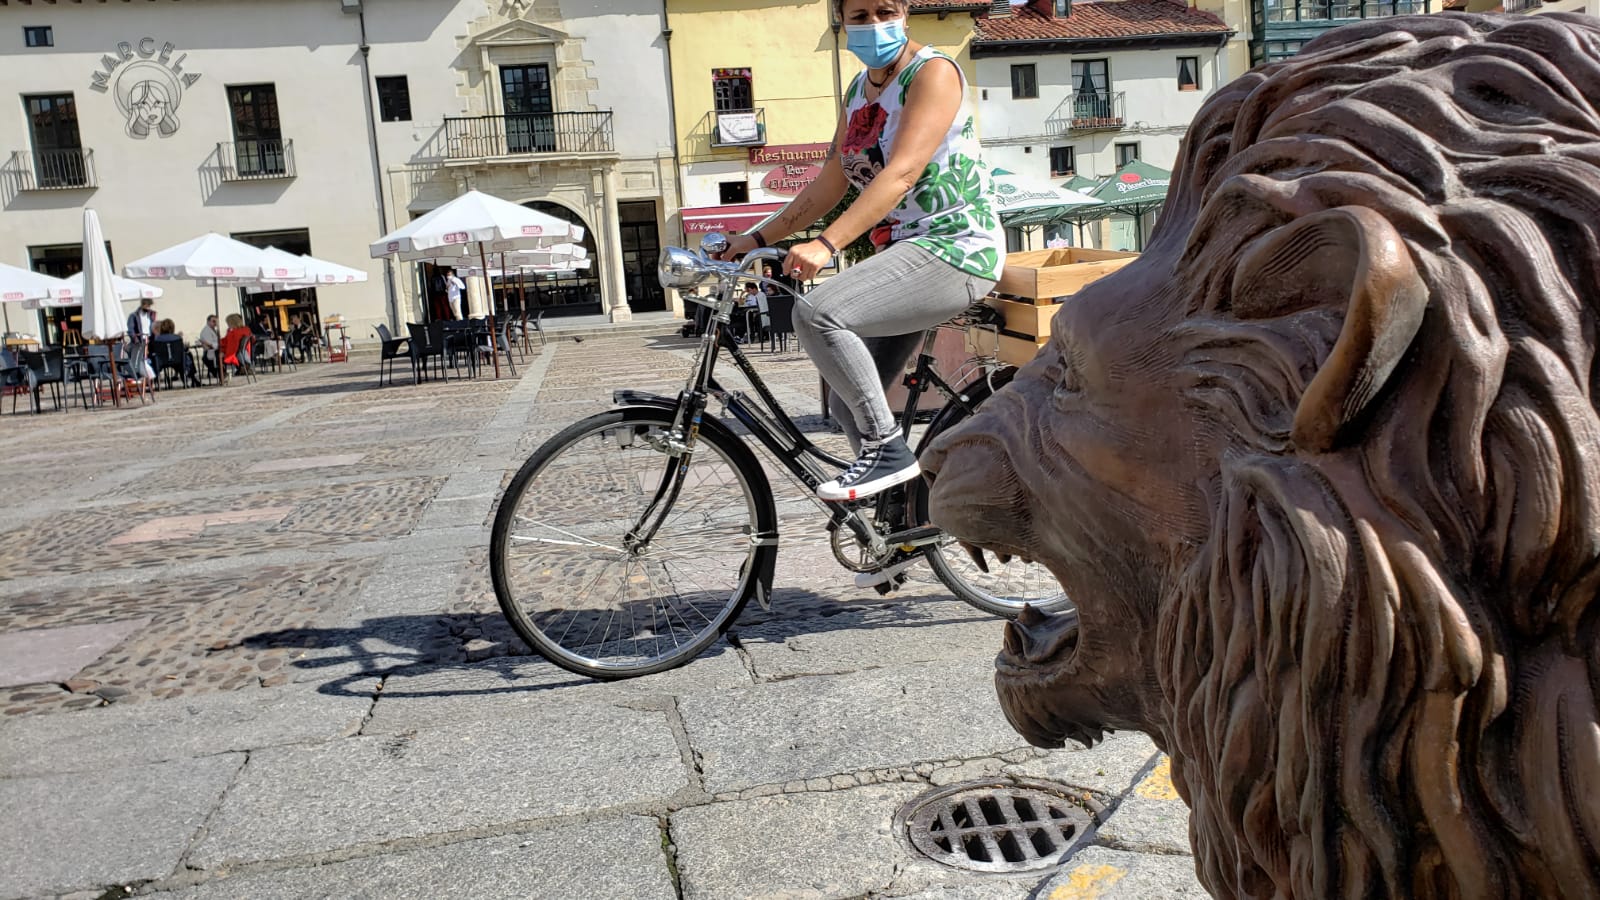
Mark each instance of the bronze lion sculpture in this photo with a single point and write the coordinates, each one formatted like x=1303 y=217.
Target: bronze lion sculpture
x=1321 y=471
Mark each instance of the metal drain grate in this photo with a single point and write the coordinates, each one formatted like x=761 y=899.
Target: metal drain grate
x=997 y=826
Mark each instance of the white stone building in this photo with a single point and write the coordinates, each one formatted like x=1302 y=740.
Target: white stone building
x=317 y=125
x=1078 y=88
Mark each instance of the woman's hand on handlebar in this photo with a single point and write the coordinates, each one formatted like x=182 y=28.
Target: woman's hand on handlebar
x=738 y=245
x=805 y=260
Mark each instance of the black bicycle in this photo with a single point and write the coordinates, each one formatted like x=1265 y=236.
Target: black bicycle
x=630 y=542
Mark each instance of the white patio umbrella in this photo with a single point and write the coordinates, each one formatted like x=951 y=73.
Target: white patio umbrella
x=1022 y=201
x=471 y=222
x=23 y=286
x=317 y=272
x=554 y=256
x=214 y=260
x=124 y=288
x=102 y=308
x=476 y=223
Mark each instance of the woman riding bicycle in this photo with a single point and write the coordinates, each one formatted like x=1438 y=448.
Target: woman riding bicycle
x=906 y=141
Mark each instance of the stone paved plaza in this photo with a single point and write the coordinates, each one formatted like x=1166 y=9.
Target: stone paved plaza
x=248 y=648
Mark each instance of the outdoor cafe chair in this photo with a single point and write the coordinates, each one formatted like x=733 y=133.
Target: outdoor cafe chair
x=169 y=358
x=460 y=345
x=431 y=344
x=13 y=378
x=394 y=348
x=44 y=368
x=780 y=320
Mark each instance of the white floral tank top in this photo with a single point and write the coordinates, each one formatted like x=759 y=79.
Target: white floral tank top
x=948 y=212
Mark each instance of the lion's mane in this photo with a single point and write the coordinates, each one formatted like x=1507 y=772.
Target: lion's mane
x=1382 y=670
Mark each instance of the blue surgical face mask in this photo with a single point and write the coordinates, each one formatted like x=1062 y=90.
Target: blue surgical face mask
x=878 y=44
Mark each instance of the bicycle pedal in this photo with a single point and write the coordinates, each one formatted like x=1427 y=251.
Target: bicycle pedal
x=890 y=586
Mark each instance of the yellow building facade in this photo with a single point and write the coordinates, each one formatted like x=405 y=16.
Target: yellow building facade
x=756 y=92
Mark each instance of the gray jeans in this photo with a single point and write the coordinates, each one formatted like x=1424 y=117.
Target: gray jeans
x=862 y=326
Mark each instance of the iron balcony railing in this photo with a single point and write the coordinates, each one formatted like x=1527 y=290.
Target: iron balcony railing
x=1276 y=11
x=1522 y=5
x=1089 y=111
x=739 y=127
x=486 y=137
x=54 y=170
x=256 y=159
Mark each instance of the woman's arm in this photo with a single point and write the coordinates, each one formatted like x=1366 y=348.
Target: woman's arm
x=931 y=107
x=818 y=197
x=814 y=202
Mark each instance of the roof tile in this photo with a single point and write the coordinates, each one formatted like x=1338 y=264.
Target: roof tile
x=1109 y=19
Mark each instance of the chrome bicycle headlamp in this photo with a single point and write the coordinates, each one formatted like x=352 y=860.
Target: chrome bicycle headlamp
x=680 y=268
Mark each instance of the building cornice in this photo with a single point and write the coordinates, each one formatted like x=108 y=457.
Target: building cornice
x=1048 y=46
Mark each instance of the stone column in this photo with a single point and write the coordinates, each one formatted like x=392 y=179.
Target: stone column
x=610 y=247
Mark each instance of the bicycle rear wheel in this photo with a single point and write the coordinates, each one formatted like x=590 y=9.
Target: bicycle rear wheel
x=1005 y=588
x=575 y=580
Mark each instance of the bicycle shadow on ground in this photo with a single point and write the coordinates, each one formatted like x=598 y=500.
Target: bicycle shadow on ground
x=394 y=647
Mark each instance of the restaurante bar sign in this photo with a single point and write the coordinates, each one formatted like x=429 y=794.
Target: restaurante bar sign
x=147 y=83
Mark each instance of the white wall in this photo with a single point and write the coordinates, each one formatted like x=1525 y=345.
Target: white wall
x=1156 y=112
x=160 y=191
x=623 y=39
x=157 y=192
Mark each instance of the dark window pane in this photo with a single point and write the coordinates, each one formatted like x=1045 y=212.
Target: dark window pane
x=1024 y=82
x=733 y=94
x=1188 y=73
x=38 y=36
x=1062 y=161
x=1126 y=153
x=394 y=98
x=734 y=191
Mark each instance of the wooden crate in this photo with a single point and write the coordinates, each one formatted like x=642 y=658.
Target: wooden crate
x=1022 y=317
x=1048 y=274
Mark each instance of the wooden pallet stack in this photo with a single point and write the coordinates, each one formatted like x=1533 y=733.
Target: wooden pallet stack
x=1034 y=283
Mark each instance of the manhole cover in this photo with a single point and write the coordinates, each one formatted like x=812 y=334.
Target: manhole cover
x=997 y=826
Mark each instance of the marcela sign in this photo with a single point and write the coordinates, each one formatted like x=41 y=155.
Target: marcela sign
x=147 y=83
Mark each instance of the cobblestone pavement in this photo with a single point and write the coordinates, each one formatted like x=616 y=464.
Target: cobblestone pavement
x=249 y=648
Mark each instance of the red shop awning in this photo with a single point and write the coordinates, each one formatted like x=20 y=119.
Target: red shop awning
x=739 y=217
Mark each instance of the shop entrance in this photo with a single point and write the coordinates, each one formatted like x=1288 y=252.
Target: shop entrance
x=641 y=248
x=277 y=311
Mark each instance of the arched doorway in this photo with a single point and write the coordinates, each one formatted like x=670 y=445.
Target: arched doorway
x=574 y=293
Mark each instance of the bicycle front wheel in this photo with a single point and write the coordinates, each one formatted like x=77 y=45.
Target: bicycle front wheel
x=616 y=555
x=1006 y=587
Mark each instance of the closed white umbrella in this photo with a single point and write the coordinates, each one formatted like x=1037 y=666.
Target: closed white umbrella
x=102 y=308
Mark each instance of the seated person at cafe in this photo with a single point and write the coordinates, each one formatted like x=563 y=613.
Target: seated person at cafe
x=210 y=339
x=302 y=335
x=232 y=347
x=267 y=344
x=167 y=333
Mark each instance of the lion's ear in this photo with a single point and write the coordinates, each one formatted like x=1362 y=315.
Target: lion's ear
x=1348 y=259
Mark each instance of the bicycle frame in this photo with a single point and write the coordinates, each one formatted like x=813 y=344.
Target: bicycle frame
x=775 y=430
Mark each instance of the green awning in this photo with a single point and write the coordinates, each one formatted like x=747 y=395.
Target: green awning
x=1136 y=188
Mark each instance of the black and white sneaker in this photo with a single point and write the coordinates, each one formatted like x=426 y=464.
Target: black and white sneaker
x=881 y=466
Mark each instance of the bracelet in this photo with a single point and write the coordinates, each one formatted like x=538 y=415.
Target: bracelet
x=829 y=244
x=760 y=241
